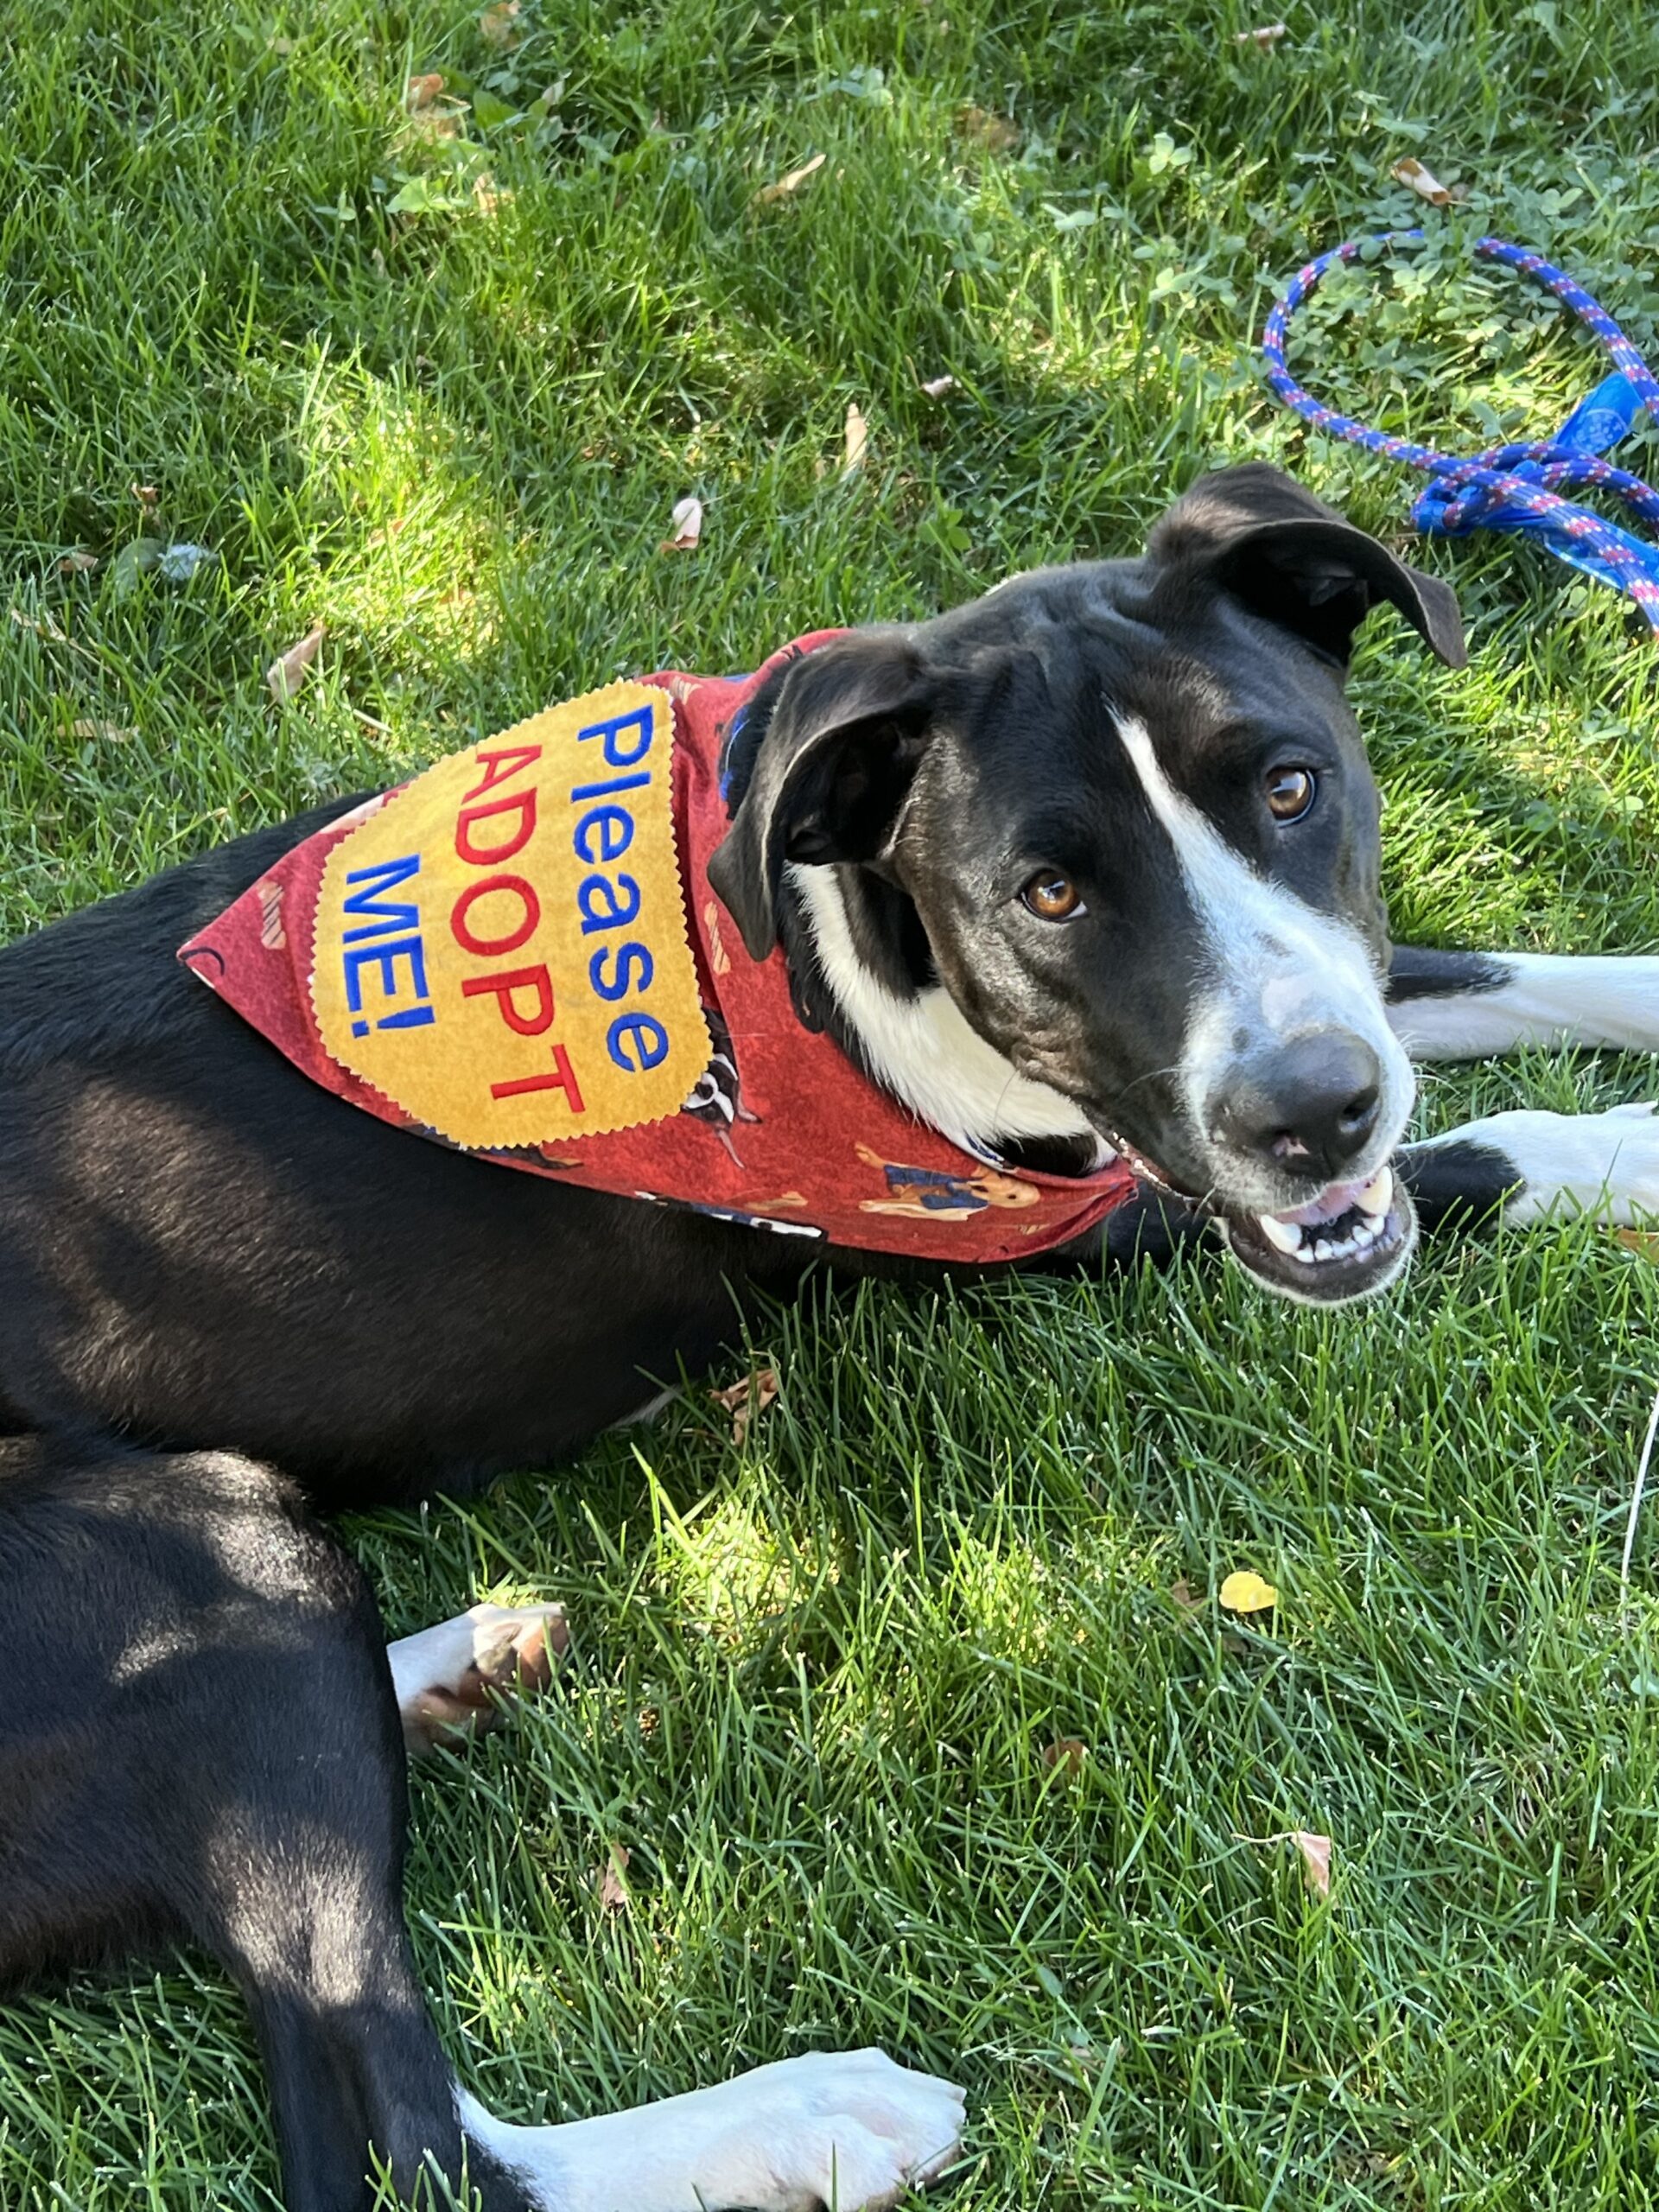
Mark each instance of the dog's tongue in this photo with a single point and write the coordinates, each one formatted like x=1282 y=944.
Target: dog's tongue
x=1338 y=1198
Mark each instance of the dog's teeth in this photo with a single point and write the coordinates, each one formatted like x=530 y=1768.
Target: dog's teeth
x=1376 y=1197
x=1282 y=1235
x=1367 y=1230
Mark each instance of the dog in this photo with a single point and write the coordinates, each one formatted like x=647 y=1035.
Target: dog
x=1086 y=871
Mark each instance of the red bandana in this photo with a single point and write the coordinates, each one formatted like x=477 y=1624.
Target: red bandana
x=780 y=1131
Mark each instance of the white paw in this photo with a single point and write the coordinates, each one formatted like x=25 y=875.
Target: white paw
x=845 y=2131
x=451 y=1677
x=1606 y=1166
x=835 y=2132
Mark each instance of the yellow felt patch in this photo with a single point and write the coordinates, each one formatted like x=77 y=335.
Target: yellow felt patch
x=501 y=949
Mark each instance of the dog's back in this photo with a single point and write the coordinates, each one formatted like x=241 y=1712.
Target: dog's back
x=198 y=1246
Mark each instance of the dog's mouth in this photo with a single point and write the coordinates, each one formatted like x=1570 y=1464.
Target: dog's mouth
x=1351 y=1241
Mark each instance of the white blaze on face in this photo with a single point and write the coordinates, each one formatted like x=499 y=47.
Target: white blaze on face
x=1278 y=968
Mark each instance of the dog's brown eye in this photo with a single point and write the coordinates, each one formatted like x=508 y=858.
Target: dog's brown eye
x=1291 y=792
x=1053 y=898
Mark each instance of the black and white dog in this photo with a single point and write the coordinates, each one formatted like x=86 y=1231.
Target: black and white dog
x=1091 y=863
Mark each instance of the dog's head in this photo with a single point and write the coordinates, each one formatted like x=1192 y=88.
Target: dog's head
x=1095 y=858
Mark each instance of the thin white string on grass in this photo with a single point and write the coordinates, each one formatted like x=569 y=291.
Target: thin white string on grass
x=1636 y=1497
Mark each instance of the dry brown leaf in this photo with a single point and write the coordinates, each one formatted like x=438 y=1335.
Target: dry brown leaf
x=994 y=133
x=105 y=732
x=499 y=25
x=745 y=1400
x=146 y=495
x=608 y=1885
x=1067 y=1753
x=1422 y=182
x=1182 y=1594
x=935 y=387
x=40 y=625
x=420 y=91
x=1316 y=1859
x=76 y=564
x=286 y=674
x=1264 y=35
x=857 y=436
x=1644 y=1242
x=786 y=185
x=686 y=522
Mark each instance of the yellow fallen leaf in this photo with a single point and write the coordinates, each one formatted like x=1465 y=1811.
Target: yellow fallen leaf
x=102 y=732
x=1246 y=1593
x=286 y=672
x=857 y=438
x=686 y=522
x=1316 y=1859
x=1422 y=182
x=787 y=185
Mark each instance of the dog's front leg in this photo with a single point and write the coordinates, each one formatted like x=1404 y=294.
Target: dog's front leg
x=849 y=2130
x=1467 y=1005
x=1603 y=1165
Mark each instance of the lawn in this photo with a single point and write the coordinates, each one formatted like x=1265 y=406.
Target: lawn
x=435 y=381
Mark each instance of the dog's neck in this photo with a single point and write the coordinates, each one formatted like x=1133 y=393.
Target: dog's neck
x=846 y=939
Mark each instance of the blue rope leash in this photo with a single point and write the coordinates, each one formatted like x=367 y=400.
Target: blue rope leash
x=1514 y=486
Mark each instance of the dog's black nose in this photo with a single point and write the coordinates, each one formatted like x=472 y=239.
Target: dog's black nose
x=1308 y=1109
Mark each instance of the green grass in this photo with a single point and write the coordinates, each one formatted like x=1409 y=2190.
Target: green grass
x=814 y=1681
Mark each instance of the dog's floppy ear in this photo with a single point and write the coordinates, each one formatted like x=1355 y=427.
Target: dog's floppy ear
x=1295 y=562
x=847 y=726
